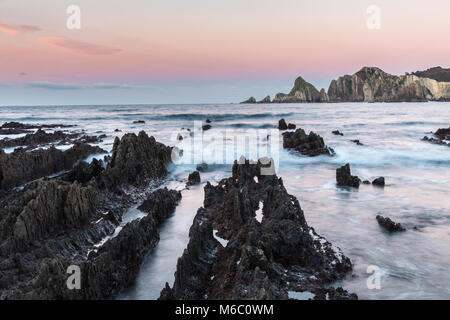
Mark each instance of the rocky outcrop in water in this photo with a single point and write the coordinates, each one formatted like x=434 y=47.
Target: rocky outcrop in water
x=282 y=125
x=193 y=179
x=344 y=177
x=301 y=92
x=40 y=137
x=371 y=84
x=265 y=100
x=249 y=100
x=389 y=225
x=307 y=144
x=337 y=133
x=21 y=166
x=379 y=182
x=24 y=126
x=136 y=160
x=442 y=137
x=251 y=241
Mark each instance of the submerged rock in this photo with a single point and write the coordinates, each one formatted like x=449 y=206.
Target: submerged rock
x=193 y=179
x=251 y=241
x=307 y=144
x=344 y=177
x=206 y=127
x=202 y=167
x=19 y=125
x=389 y=225
x=291 y=126
x=443 y=133
x=357 y=142
x=337 y=133
x=139 y=122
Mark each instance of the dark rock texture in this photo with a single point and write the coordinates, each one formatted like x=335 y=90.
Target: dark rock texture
x=193 y=179
x=291 y=126
x=34 y=139
x=136 y=160
x=139 y=122
x=307 y=144
x=389 y=225
x=49 y=225
x=282 y=125
x=21 y=166
x=379 y=182
x=344 y=177
x=202 y=167
x=24 y=126
x=337 y=133
x=442 y=136
x=251 y=241
x=357 y=142
x=437 y=73
x=206 y=127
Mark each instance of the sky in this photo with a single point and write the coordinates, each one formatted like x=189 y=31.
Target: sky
x=206 y=51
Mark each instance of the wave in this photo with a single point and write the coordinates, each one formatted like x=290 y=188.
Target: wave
x=217 y=116
x=413 y=123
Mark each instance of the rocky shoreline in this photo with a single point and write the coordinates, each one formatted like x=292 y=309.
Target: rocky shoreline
x=75 y=219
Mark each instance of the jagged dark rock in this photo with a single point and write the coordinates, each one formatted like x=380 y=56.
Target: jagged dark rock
x=389 y=225
x=301 y=92
x=379 y=182
x=208 y=121
x=443 y=133
x=307 y=144
x=291 y=126
x=206 y=127
x=344 y=177
x=40 y=137
x=337 y=133
x=282 y=125
x=194 y=178
x=137 y=159
x=249 y=100
x=139 y=122
x=18 y=125
x=21 y=166
x=251 y=241
x=437 y=73
x=48 y=225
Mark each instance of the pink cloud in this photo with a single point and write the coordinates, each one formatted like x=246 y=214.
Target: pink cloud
x=14 y=29
x=78 y=47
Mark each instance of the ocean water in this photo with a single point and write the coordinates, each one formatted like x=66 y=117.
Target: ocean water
x=413 y=264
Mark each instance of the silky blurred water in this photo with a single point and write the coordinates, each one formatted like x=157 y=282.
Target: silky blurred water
x=415 y=264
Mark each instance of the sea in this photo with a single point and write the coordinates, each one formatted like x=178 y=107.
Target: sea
x=408 y=265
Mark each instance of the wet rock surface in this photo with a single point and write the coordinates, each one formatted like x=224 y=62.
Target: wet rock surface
x=251 y=241
x=307 y=144
x=282 y=125
x=337 y=133
x=136 y=160
x=379 y=182
x=48 y=225
x=344 y=177
x=21 y=166
x=389 y=225
x=193 y=179
x=441 y=137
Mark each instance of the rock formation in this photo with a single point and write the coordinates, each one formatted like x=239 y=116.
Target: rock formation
x=337 y=133
x=249 y=100
x=389 y=225
x=307 y=144
x=21 y=166
x=442 y=137
x=282 y=125
x=344 y=177
x=194 y=178
x=265 y=100
x=438 y=73
x=75 y=220
x=379 y=182
x=251 y=241
x=374 y=85
x=301 y=92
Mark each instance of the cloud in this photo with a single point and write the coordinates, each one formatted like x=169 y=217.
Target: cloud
x=15 y=29
x=72 y=86
x=78 y=47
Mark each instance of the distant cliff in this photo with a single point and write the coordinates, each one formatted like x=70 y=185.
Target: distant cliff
x=371 y=84
x=437 y=73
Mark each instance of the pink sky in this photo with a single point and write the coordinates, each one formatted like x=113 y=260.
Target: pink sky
x=142 y=43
